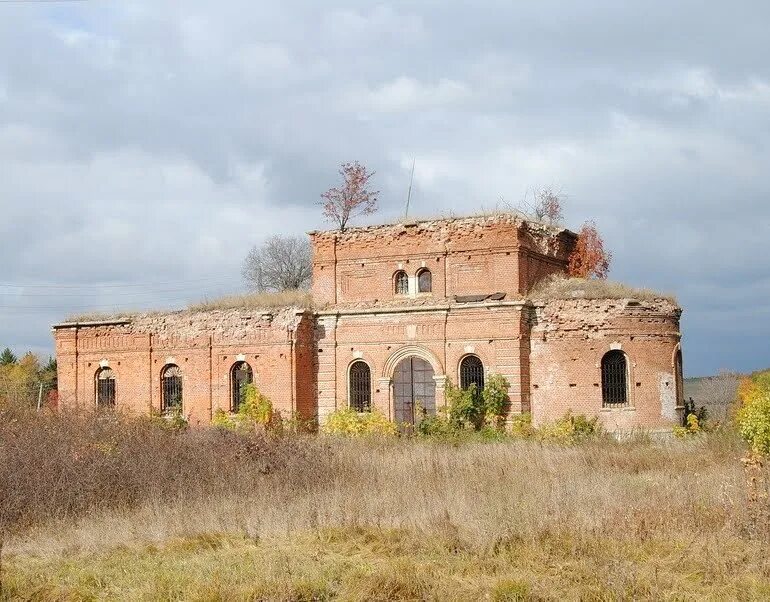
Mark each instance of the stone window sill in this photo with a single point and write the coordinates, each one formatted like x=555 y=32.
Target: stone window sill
x=626 y=409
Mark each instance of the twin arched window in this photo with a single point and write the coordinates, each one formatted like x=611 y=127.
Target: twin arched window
x=171 y=389
x=241 y=375
x=424 y=282
x=360 y=387
x=105 y=388
x=614 y=379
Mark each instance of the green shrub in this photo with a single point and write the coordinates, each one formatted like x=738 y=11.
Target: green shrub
x=495 y=396
x=570 y=429
x=472 y=409
x=439 y=425
x=753 y=416
x=173 y=419
x=255 y=406
x=466 y=406
x=255 y=410
x=350 y=423
x=692 y=427
x=521 y=426
x=223 y=419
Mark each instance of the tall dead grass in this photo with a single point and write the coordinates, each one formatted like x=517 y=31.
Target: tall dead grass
x=266 y=518
x=59 y=467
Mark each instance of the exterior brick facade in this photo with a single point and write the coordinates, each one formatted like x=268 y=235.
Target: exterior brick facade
x=205 y=346
x=412 y=301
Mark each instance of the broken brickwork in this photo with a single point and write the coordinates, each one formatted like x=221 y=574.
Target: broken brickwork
x=413 y=302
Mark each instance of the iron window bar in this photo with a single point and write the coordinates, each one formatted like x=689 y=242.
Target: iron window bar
x=614 y=380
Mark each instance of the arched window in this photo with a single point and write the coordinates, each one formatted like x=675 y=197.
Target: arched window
x=471 y=372
x=401 y=281
x=614 y=379
x=241 y=375
x=171 y=389
x=105 y=388
x=679 y=376
x=360 y=387
x=424 y=281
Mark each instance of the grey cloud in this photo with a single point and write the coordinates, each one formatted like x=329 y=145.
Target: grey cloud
x=150 y=142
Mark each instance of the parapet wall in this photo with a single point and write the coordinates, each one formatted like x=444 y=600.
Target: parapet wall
x=569 y=339
x=473 y=255
x=205 y=345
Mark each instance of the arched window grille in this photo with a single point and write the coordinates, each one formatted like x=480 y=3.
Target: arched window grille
x=614 y=379
x=424 y=281
x=360 y=387
x=471 y=372
x=171 y=386
x=241 y=375
x=401 y=283
x=105 y=388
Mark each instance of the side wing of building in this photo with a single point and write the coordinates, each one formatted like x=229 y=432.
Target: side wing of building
x=196 y=362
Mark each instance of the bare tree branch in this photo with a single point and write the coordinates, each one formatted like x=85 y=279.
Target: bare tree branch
x=281 y=263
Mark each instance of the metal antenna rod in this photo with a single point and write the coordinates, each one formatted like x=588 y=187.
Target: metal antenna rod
x=409 y=194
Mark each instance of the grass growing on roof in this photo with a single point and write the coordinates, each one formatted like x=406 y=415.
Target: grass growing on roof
x=557 y=287
x=98 y=316
x=298 y=298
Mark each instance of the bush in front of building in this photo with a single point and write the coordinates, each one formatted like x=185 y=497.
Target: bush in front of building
x=495 y=397
x=569 y=429
x=474 y=409
x=753 y=415
x=348 y=422
x=255 y=409
x=521 y=426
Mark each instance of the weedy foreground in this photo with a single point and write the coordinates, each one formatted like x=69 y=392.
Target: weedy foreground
x=111 y=508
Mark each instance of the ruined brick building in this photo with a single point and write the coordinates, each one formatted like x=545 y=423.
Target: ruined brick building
x=398 y=310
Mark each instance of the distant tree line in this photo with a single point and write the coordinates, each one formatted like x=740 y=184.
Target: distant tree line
x=25 y=379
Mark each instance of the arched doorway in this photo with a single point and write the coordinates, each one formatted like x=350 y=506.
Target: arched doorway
x=414 y=390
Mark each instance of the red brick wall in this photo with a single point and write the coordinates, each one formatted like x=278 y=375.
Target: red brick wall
x=549 y=352
x=499 y=253
x=569 y=339
x=442 y=335
x=205 y=347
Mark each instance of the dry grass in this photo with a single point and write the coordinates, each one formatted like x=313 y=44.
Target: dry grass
x=64 y=466
x=592 y=288
x=98 y=316
x=248 y=301
x=382 y=519
x=301 y=299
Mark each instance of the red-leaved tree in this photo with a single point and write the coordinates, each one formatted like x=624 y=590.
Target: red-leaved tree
x=589 y=259
x=351 y=199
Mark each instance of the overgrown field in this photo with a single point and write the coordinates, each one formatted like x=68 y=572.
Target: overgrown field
x=119 y=509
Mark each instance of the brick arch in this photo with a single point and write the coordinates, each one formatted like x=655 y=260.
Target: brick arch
x=411 y=350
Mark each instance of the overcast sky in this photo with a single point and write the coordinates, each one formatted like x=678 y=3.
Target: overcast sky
x=145 y=146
